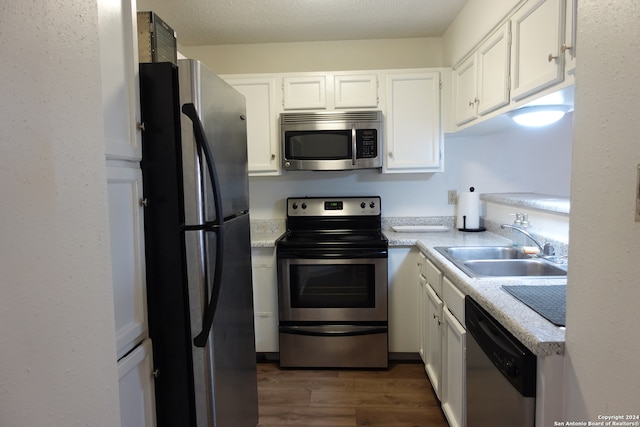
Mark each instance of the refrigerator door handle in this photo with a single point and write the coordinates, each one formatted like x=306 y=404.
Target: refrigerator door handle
x=201 y=141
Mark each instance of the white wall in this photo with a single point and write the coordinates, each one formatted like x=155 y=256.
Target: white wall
x=57 y=341
x=513 y=160
x=603 y=350
x=320 y=56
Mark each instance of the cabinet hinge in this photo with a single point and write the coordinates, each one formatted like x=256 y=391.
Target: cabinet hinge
x=440 y=84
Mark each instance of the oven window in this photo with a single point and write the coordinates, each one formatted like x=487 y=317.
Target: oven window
x=333 y=286
x=318 y=145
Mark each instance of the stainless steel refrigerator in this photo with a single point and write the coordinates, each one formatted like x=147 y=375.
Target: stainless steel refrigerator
x=197 y=242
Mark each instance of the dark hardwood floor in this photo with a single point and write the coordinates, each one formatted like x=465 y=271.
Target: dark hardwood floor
x=399 y=397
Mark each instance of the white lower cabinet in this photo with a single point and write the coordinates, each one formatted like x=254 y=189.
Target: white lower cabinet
x=453 y=396
x=444 y=340
x=135 y=383
x=265 y=299
x=403 y=300
x=434 y=332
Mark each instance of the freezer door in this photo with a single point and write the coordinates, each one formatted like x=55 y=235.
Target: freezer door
x=221 y=110
x=225 y=369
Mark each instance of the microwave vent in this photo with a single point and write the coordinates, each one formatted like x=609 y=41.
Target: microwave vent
x=331 y=116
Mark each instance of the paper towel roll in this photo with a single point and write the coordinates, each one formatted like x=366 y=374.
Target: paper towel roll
x=468 y=211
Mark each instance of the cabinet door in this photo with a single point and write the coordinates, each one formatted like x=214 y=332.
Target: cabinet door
x=355 y=91
x=265 y=299
x=262 y=124
x=538 y=31
x=135 y=385
x=403 y=301
x=126 y=229
x=304 y=92
x=422 y=330
x=433 y=364
x=120 y=79
x=569 y=45
x=493 y=71
x=453 y=370
x=414 y=133
x=465 y=97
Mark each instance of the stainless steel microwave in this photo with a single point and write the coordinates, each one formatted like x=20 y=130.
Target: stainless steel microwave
x=331 y=140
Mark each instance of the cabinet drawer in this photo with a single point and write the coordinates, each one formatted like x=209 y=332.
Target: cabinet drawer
x=434 y=276
x=454 y=299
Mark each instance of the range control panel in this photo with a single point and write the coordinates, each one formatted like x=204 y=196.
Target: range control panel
x=341 y=206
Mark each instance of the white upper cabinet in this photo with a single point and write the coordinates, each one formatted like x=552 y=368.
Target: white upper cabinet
x=465 y=91
x=493 y=71
x=329 y=91
x=262 y=123
x=569 y=45
x=538 y=33
x=481 y=82
x=413 y=136
x=304 y=92
x=355 y=91
x=120 y=79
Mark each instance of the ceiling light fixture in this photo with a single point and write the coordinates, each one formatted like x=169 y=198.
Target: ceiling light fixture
x=538 y=115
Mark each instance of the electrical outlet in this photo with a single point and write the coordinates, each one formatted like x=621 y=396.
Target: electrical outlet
x=452 y=197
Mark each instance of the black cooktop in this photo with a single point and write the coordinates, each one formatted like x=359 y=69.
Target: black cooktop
x=346 y=238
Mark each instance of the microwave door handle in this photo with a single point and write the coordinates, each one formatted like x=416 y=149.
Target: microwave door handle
x=353 y=145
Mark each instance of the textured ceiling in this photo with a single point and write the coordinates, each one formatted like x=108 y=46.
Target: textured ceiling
x=208 y=22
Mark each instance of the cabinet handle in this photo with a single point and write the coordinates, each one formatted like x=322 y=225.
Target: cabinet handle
x=565 y=47
x=472 y=103
x=391 y=154
x=552 y=57
x=438 y=318
x=273 y=157
x=156 y=373
x=143 y=202
x=140 y=126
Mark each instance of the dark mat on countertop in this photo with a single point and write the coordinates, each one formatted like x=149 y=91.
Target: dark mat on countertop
x=549 y=301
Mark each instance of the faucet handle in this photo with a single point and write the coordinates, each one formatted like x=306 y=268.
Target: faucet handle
x=548 y=249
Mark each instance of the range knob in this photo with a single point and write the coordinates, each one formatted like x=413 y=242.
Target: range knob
x=304 y=205
x=372 y=205
x=294 y=205
x=363 y=205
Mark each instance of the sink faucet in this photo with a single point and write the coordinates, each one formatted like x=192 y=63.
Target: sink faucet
x=547 y=249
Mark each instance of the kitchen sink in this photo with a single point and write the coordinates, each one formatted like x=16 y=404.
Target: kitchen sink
x=515 y=267
x=465 y=253
x=500 y=261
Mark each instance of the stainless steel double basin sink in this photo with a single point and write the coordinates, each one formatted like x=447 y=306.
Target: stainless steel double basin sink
x=500 y=261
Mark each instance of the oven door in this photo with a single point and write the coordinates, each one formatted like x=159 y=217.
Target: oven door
x=332 y=288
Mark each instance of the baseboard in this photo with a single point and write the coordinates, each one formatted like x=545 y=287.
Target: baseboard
x=393 y=357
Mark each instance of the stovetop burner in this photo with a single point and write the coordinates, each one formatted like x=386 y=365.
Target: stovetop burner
x=339 y=222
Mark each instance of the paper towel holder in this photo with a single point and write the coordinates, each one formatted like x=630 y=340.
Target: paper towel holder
x=464 y=220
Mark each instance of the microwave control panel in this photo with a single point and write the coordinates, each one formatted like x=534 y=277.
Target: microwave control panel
x=367 y=143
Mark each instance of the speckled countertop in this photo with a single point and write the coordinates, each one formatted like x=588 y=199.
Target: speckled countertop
x=534 y=331
x=543 y=202
x=538 y=334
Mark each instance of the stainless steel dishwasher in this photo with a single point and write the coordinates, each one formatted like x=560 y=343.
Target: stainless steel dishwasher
x=501 y=373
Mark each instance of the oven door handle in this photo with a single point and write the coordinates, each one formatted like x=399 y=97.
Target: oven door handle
x=321 y=254
x=333 y=330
